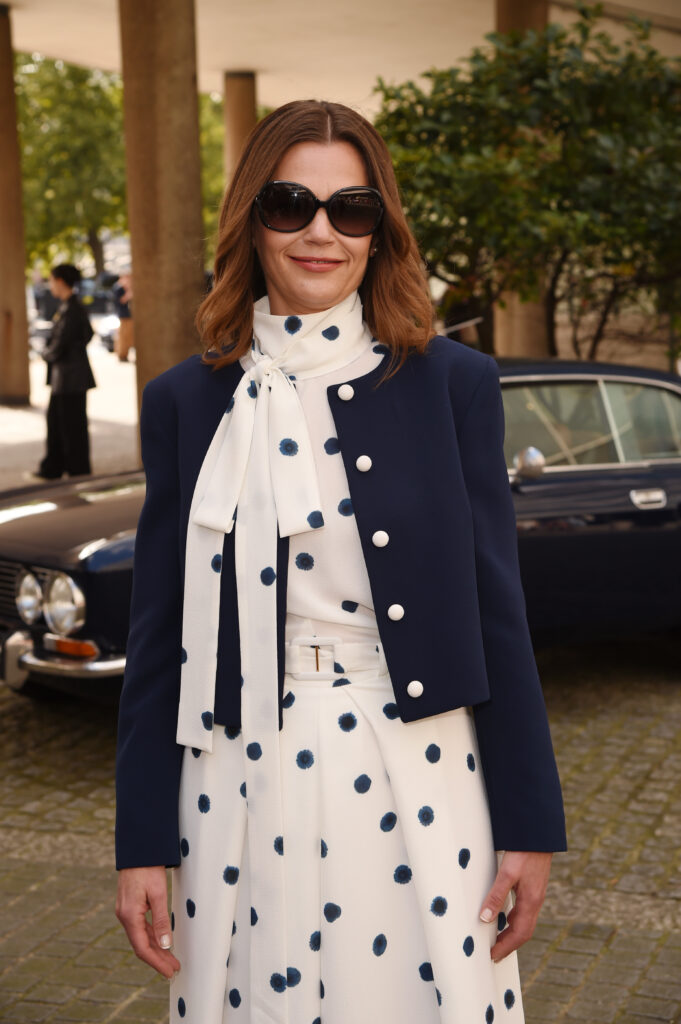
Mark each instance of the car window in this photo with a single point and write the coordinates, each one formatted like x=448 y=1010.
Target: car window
x=566 y=420
x=648 y=419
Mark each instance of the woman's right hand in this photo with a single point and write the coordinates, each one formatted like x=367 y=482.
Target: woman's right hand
x=140 y=890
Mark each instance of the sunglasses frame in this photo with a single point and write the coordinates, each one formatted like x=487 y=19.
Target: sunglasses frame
x=320 y=203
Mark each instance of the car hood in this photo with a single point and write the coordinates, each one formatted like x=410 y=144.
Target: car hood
x=63 y=525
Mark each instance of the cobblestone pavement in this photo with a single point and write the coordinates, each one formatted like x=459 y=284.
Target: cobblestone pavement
x=608 y=946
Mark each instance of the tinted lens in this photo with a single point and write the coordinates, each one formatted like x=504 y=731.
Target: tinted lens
x=355 y=211
x=286 y=207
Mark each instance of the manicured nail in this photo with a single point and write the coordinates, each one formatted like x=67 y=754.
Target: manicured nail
x=165 y=942
x=486 y=915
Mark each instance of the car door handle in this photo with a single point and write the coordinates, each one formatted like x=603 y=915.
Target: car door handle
x=651 y=497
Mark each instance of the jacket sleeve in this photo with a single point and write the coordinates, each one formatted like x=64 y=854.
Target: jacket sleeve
x=518 y=763
x=149 y=761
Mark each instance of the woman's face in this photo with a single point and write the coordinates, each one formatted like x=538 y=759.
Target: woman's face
x=315 y=268
x=59 y=288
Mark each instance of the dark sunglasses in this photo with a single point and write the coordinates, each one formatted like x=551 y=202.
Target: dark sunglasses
x=288 y=206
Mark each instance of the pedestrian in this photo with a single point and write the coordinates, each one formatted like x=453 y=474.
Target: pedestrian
x=125 y=335
x=69 y=376
x=331 y=725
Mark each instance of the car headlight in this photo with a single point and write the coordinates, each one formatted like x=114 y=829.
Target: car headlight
x=28 y=598
x=63 y=604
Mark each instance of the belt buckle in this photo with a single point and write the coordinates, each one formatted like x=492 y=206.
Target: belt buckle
x=317 y=642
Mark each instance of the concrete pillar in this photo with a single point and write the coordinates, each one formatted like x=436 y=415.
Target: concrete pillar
x=520 y=327
x=14 y=378
x=164 y=179
x=240 y=113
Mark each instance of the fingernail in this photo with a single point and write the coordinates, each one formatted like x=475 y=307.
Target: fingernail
x=164 y=942
x=486 y=915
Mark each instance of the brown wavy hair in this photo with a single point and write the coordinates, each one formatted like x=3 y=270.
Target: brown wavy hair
x=394 y=292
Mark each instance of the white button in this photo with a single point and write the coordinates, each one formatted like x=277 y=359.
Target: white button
x=363 y=463
x=395 y=612
x=380 y=538
x=346 y=392
x=415 y=688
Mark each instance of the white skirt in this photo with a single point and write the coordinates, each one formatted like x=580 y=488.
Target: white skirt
x=387 y=854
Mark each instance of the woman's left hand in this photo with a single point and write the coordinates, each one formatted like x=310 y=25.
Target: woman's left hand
x=527 y=873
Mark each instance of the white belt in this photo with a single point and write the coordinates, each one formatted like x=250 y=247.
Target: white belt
x=328 y=657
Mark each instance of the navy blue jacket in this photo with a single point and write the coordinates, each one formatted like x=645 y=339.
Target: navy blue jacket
x=439 y=486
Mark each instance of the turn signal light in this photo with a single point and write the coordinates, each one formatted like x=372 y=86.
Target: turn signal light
x=74 y=648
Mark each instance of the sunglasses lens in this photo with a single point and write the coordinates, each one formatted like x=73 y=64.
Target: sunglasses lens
x=286 y=207
x=356 y=212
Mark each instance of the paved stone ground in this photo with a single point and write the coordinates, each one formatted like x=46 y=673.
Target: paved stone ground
x=607 y=949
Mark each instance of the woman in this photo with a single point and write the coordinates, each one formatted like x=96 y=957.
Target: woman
x=70 y=377
x=331 y=717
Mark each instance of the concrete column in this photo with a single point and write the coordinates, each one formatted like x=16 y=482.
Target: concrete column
x=520 y=327
x=14 y=378
x=164 y=179
x=240 y=113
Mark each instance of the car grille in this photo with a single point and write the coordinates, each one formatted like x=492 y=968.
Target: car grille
x=8 y=574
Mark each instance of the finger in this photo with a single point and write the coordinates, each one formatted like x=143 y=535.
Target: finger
x=142 y=939
x=495 y=900
x=521 y=924
x=158 y=904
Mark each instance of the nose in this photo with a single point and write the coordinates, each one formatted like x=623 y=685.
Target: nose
x=319 y=229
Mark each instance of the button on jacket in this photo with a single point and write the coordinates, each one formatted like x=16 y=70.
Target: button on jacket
x=423 y=454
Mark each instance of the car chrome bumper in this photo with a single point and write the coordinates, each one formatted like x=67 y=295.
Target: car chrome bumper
x=21 y=660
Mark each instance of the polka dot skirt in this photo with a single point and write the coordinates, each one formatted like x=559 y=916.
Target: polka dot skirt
x=387 y=854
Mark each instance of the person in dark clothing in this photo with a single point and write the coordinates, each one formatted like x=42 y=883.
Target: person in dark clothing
x=70 y=376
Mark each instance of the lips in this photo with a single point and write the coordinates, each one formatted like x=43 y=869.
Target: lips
x=322 y=261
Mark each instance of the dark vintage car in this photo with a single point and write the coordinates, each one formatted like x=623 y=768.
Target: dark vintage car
x=594 y=457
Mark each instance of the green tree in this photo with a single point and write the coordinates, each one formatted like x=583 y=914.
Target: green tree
x=548 y=164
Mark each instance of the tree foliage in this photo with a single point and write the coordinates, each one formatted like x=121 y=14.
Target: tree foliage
x=548 y=164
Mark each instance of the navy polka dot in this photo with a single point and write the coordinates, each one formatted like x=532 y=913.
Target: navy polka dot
x=464 y=857
x=470 y=761
x=345 y=507
x=191 y=907
x=325 y=848
x=426 y=971
x=181 y=1007
x=279 y=844
x=330 y=333
x=234 y=997
x=233 y=927
x=402 y=874
x=426 y=815
x=509 y=998
x=292 y=324
x=304 y=560
x=242 y=789
x=230 y=404
x=183 y=656
x=439 y=997
x=381 y=349
x=391 y=710
x=254 y=751
x=278 y=982
x=196 y=752
x=292 y=976
x=332 y=911
x=288 y=446
x=331 y=446
x=388 y=821
x=252 y=389
x=315 y=519
x=184 y=847
x=254 y=916
x=468 y=945
x=231 y=875
x=341 y=682
x=216 y=563
x=289 y=699
x=268 y=576
x=232 y=731
x=501 y=921
x=337 y=667
x=317 y=1020
x=315 y=941
x=347 y=721
x=362 y=783
x=433 y=753
x=204 y=803
x=379 y=944
x=489 y=1014
x=321 y=989
x=349 y=606
x=207 y=719
x=439 y=906
x=304 y=758
x=172 y=921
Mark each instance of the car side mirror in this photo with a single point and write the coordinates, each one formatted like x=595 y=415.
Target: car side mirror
x=529 y=462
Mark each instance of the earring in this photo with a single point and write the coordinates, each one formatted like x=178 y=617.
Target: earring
x=372 y=252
